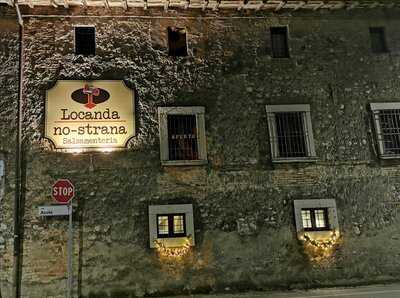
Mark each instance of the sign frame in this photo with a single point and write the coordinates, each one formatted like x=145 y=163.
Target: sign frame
x=83 y=148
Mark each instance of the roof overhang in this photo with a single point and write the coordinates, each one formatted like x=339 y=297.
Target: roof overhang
x=266 y=5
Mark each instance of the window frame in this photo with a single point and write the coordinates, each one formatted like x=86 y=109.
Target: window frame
x=95 y=40
x=272 y=110
x=332 y=216
x=198 y=112
x=313 y=219
x=382 y=34
x=375 y=109
x=287 y=50
x=170 y=54
x=171 y=232
x=173 y=209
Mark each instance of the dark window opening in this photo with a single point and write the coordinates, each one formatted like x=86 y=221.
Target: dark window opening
x=85 y=41
x=279 y=42
x=291 y=135
x=177 y=41
x=378 y=40
x=171 y=225
x=314 y=219
x=389 y=121
x=182 y=137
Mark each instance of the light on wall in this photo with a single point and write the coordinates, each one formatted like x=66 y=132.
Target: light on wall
x=173 y=252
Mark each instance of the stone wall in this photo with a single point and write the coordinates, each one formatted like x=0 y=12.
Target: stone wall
x=244 y=223
x=9 y=53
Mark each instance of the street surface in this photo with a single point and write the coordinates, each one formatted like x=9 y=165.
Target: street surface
x=376 y=291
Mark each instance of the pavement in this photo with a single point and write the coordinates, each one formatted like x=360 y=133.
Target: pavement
x=374 y=291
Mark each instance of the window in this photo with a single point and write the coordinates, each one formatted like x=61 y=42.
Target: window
x=378 y=40
x=182 y=135
x=279 y=42
x=85 y=41
x=387 y=128
x=177 y=41
x=290 y=132
x=316 y=215
x=171 y=224
x=315 y=219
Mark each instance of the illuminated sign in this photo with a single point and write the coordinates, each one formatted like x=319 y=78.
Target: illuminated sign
x=93 y=115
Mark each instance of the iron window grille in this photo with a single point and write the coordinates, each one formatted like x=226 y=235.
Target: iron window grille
x=378 y=40
x=171 y=225
x=177 y=44
x=279 y=42
x=85 y=41
x=182 y=135
x=290 y=131
x=315 y=219
x=387 y=128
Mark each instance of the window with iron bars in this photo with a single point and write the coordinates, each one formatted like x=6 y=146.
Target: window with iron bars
x=387 y=127
x=290 y=131
x=182 y=137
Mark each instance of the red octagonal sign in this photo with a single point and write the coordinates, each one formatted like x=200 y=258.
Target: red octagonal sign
x=63 y=191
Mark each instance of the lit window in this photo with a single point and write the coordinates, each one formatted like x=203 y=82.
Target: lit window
x=387 y=128
x=163 y=227
x=378 y=40
x=279 y=42
x=177 y=41
x=85 y=41
x=306 y=217
x=171 y=225
x=315 y=219
x=290 y=132
x=182 y=135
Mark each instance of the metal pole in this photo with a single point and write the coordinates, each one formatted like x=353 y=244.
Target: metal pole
x=70 y=249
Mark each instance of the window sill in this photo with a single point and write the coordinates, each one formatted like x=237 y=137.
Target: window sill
x=184 y=162
x=297 y=159
x=389 y=157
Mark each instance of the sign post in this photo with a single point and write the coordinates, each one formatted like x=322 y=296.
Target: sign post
x=63 y=191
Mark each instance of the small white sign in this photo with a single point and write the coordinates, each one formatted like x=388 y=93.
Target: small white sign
x=56 y=210
x=1 y=168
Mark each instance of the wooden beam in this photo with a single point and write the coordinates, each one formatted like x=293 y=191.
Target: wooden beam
x=280 y=5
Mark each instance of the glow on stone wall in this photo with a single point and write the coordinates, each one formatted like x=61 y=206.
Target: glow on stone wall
x=89 y=115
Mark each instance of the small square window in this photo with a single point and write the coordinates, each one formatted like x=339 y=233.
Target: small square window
x=378 y=40
x=279 y=42
x=85 y=41
x=290 y=131
x=315 y=219
x=387 y=128
x=319 y=216
x=182 y=135
x=171 y=224
x=177 y=41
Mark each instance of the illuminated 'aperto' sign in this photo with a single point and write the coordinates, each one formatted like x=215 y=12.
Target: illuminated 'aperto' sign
x=89 y=116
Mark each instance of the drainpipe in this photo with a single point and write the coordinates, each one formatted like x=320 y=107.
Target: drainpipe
x=18 y=169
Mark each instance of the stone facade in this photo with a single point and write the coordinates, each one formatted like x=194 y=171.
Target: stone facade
x=243 y=203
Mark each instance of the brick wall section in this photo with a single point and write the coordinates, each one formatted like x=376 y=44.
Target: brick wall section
x=231 y=73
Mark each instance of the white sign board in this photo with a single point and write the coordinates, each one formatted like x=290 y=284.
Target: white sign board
x=1 y=168
x=89 y=115
x=56 y=210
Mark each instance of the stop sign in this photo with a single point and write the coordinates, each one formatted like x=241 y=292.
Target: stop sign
x=63 y=191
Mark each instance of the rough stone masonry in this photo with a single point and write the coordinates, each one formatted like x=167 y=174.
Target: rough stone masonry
x=243 y=203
